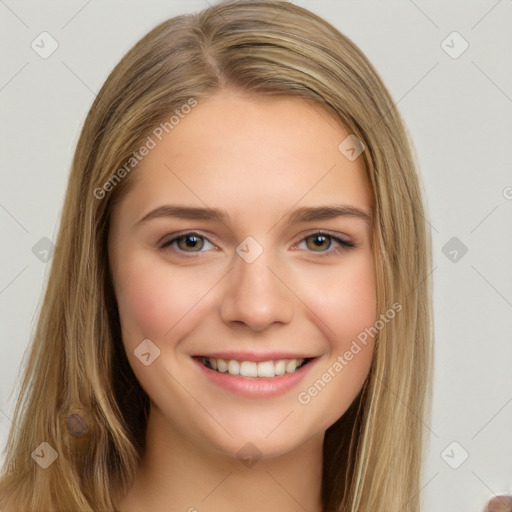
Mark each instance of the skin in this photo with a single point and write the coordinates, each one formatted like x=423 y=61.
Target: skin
x=257 y=158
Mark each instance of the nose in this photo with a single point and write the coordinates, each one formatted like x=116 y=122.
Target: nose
x=257 y=294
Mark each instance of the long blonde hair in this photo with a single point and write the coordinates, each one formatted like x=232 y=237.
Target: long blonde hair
x=373 y=454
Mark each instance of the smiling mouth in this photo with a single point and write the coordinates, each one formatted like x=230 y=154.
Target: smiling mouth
x=254 y=369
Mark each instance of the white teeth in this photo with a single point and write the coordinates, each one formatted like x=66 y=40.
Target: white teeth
x=234 y=367
x=254 y=369
x=291 y=365
x=248 y=369
x=280 y=367
x=266 y=369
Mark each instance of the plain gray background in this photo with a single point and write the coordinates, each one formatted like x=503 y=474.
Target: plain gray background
x=458 y=110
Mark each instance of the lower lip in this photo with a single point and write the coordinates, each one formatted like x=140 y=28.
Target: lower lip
x=256 y=387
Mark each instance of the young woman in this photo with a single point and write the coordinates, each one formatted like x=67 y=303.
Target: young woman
x=238 y=315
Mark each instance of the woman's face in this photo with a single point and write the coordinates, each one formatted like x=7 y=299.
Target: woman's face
x=258 y=284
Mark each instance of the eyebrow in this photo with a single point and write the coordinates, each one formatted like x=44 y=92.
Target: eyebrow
x=300 y=215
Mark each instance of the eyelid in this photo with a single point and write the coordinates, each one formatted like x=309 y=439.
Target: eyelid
x=343 y=245
x=169 y=239
x=344 y=238
x=338 y=238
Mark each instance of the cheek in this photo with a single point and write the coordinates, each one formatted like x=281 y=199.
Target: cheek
x=357 y=297
x=343 y=298
x=152 y=298
x=342 y=304
x=357 y=313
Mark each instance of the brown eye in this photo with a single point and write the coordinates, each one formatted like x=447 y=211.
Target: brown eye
x=189 y=242
x=186 y=242
x=319 y=241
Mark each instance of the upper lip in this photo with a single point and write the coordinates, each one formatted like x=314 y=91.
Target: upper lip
x=253 y=356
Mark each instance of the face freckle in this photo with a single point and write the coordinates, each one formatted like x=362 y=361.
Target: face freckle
x=257 y=160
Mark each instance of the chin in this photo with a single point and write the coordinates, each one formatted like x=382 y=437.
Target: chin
x=255 y=439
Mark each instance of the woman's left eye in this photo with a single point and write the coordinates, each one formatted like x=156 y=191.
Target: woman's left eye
x=192 y=240
x=343 y=245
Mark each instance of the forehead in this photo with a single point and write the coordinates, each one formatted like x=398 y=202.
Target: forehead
x=250 y=154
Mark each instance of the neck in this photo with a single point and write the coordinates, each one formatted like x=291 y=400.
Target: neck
x=177 y=473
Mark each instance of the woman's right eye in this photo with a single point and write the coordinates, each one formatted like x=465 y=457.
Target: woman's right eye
x=190 y=240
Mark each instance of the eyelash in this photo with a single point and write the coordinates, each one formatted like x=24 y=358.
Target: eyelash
x=344 y=245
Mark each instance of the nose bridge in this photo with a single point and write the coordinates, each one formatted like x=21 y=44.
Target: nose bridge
x=256 y=295
x=252 y=266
